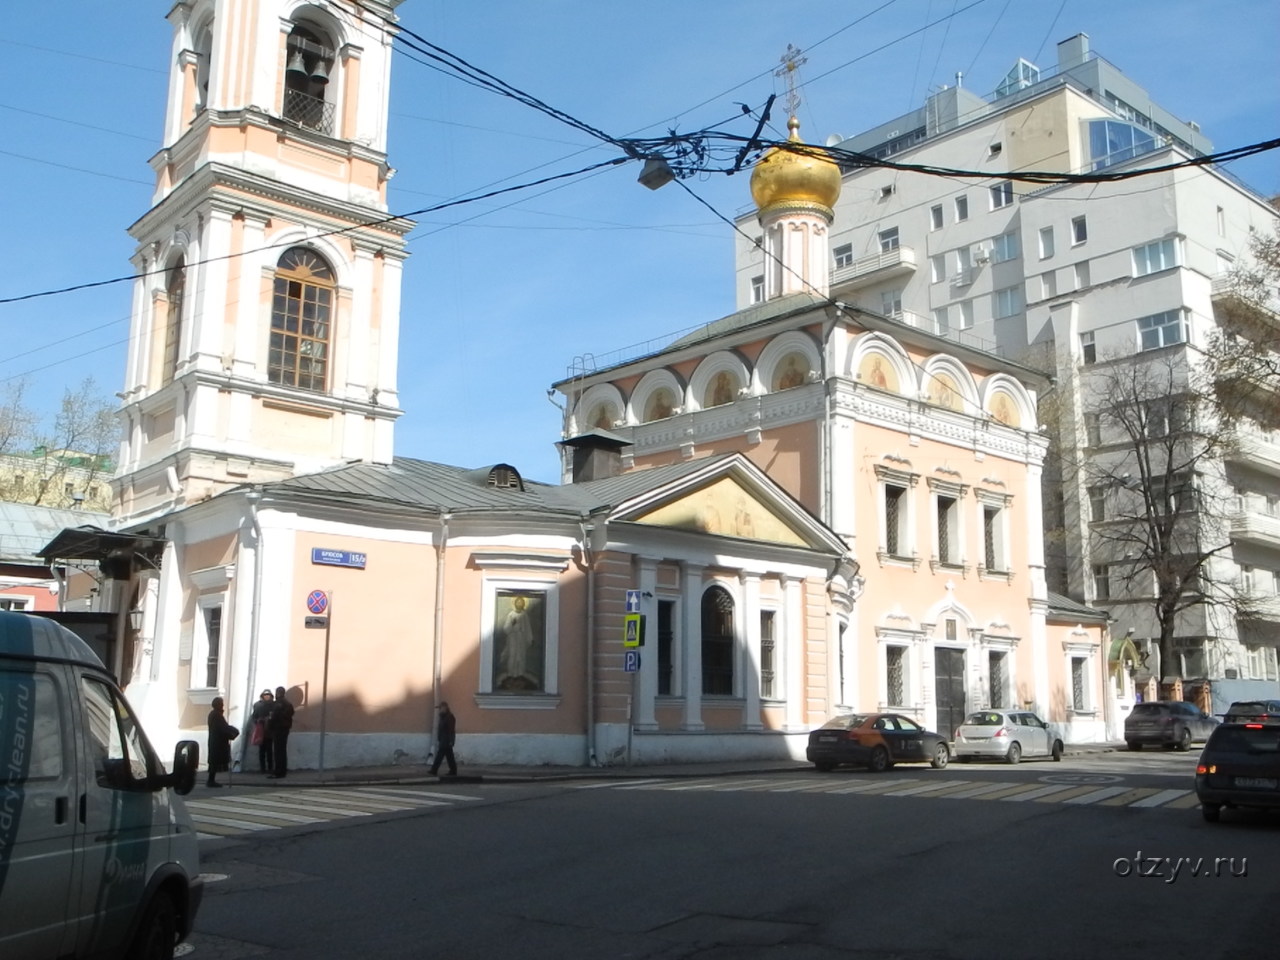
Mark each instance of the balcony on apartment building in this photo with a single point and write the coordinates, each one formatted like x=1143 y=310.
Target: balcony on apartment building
x=1255 y=519
x=876 y=268
x=1260 y=450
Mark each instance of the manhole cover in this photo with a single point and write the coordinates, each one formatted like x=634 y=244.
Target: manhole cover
x=1081 y=778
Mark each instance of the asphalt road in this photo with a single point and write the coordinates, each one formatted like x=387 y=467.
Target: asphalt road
x=1087 y=858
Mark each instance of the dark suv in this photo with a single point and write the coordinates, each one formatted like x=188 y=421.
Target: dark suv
x=1253 y=711
x=1240 y=767
x=1169 y=723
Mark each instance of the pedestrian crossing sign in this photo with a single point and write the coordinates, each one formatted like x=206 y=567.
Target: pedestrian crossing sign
x=633 y=630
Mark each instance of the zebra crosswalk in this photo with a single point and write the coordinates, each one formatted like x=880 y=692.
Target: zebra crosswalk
x=233 y=814
x=928 y=788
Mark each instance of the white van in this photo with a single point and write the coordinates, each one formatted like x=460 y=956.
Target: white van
x=98 y=856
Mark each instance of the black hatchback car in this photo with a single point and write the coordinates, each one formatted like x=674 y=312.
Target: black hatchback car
x=1239 y=767
x=1167 y=723
x=876 y=741
x=1253 y=711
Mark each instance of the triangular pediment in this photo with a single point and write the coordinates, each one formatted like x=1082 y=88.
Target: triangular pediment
x=727 y=508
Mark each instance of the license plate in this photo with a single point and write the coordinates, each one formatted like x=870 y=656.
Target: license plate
x=1257 y=783
x=827 y=738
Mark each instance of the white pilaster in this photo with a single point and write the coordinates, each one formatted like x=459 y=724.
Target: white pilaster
x=691 y=647
x=751 y=719
x=647 y=682
x=793 y=642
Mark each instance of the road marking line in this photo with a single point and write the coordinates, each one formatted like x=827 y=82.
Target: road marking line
x=949 y=786
x=415 y=794
x=1070 y=792
x=310 y=807
x=1009 y=789
x=732 y=785
x=1124 y=799
x=864 y=785
x=1164 y=796
x=1039 y=792
x=1186 y=803
x=921 y=788
x=263 y=816
x=976 y=791
x=796 y=786
x=696 y=785
x=228 y=822
x=1100 y=794
x=605 y=784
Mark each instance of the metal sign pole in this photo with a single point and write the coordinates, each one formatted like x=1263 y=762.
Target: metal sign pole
x=324 y=683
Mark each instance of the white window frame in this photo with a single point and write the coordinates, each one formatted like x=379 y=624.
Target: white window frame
x=961 y=208
x=1001 y=504
x=548 y=697
x=200 y=641
x=1079 y=230
x=779 y=691
x=1046 y=243
x=1049 y=284
x=941 y=320
x=891 y=302
x=938 y=268
x=1156 y=257
x=677 y=642
x=888 y=239
x=757 y=289
x=1160 y=324
x=1004 y=248
x=1007 y=302
x=1086 y=652
x=1100 y=579
x=843 y=255
x=1088 y=348
x=17 y=602
x=966 y=314
x=935 y=217
x=1080 y=273
x=906 y=673
x=890 y=476
x=955 y=492
x=1001 y=194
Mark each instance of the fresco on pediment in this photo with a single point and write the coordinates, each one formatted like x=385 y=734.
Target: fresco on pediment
x=1004 y=410
x=945 y=392
x=724 y=508
x=661 y=404
x=876 y=371
x=791 y=372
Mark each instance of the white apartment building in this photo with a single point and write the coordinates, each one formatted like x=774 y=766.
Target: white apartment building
x=1066 y=277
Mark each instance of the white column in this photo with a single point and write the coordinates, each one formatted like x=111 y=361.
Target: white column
x=751 y=719
x=691 y=646
x=646 y=684
x=793 y=643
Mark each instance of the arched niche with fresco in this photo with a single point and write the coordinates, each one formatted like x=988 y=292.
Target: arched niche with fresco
x=1008 y=402
x=657 y=396
x=601 y=408
x=946 y=383
x=717 y=381
x=880 y=361
x=789 y=360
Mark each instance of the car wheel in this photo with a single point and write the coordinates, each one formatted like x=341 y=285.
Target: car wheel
x=158 y=933
x=824 y=767
x=1184 y=741
x=1210 y=811
x=879 y=761
x=1057 y=750
x=1134 y=745
x=1014 y=754
x=941 y=757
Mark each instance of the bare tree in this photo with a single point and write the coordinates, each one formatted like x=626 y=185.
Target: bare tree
x=1159 y=519
x=17 y=421
x=76 y=454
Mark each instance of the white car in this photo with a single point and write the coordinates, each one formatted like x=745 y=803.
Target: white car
x=1007 y=735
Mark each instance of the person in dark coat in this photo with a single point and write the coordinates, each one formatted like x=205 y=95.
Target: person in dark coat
x=445 y=735
x=279 y=723
x=261 y=711
x=221 y=733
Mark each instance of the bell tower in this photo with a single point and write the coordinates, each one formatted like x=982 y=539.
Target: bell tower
x=265 y=320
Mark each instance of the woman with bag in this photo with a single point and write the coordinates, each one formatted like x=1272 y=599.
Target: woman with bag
x=259 y=737
x=221 y=733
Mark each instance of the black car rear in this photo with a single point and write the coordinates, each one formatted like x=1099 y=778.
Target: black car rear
x=1253 y=711
x=1239 y=767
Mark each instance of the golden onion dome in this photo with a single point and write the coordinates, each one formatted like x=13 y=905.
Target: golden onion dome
x=788 y=178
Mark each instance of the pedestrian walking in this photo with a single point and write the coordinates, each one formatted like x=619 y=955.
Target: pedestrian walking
x=259 y=737
x=445 y=735
x=279 y=723
x=221 y=733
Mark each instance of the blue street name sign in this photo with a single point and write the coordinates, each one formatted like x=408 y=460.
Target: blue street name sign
x=631 y=661
x=633 y=601
x=337 y=558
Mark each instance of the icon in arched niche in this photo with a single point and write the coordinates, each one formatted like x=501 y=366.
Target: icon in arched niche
x=521 y=620
x=722 y=390
x=876 y=370
x=945 y=392
x=662 y=403
x=791 y=372
x=603 y=416
x=1004 y=410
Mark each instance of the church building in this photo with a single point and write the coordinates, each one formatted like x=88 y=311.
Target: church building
x=800 y=510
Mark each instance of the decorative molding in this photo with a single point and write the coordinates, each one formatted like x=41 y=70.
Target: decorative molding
x=505 y=701
x=507 y=559
x=211 y=578
x=937 y=566
x=892 y=560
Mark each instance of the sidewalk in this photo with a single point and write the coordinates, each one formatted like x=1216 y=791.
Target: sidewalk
x=416 y=773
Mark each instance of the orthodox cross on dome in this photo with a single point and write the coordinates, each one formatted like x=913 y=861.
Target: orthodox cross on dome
x=791 y=62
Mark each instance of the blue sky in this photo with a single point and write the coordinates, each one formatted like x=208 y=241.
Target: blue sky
x=500 y=297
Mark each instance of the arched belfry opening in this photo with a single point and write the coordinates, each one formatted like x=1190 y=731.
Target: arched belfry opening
x=310 y=59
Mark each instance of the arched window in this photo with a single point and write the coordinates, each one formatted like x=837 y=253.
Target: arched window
x=306 y=80
x=301 y=321
x=717 y=642
x=175 y=291
x=204 y=63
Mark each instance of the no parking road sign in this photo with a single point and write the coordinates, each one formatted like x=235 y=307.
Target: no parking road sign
x=317 y=602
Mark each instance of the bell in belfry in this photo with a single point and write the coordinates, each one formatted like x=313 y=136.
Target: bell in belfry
x=320 y=73
x=297 y=64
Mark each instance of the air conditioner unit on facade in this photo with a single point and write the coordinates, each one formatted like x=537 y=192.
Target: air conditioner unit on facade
x=982 y=253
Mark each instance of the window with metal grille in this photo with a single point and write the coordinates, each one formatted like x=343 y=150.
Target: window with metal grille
x=894 y=503
x=768 y=654
x=173 y=320
x=301 y=321
x=997 y=679
x=213 y=634
x=947 y=511
x=717 y=642
x=991 y=537
x=666 y=642
x=1078 y=665
x=896 y=675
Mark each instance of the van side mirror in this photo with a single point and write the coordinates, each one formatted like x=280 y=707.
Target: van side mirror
x=186 y=758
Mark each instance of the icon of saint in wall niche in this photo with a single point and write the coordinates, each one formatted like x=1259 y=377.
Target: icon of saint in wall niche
x=794 y=370
x=521 y=641
x=661 y=405
x=722 y=389
x=1003 y=411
